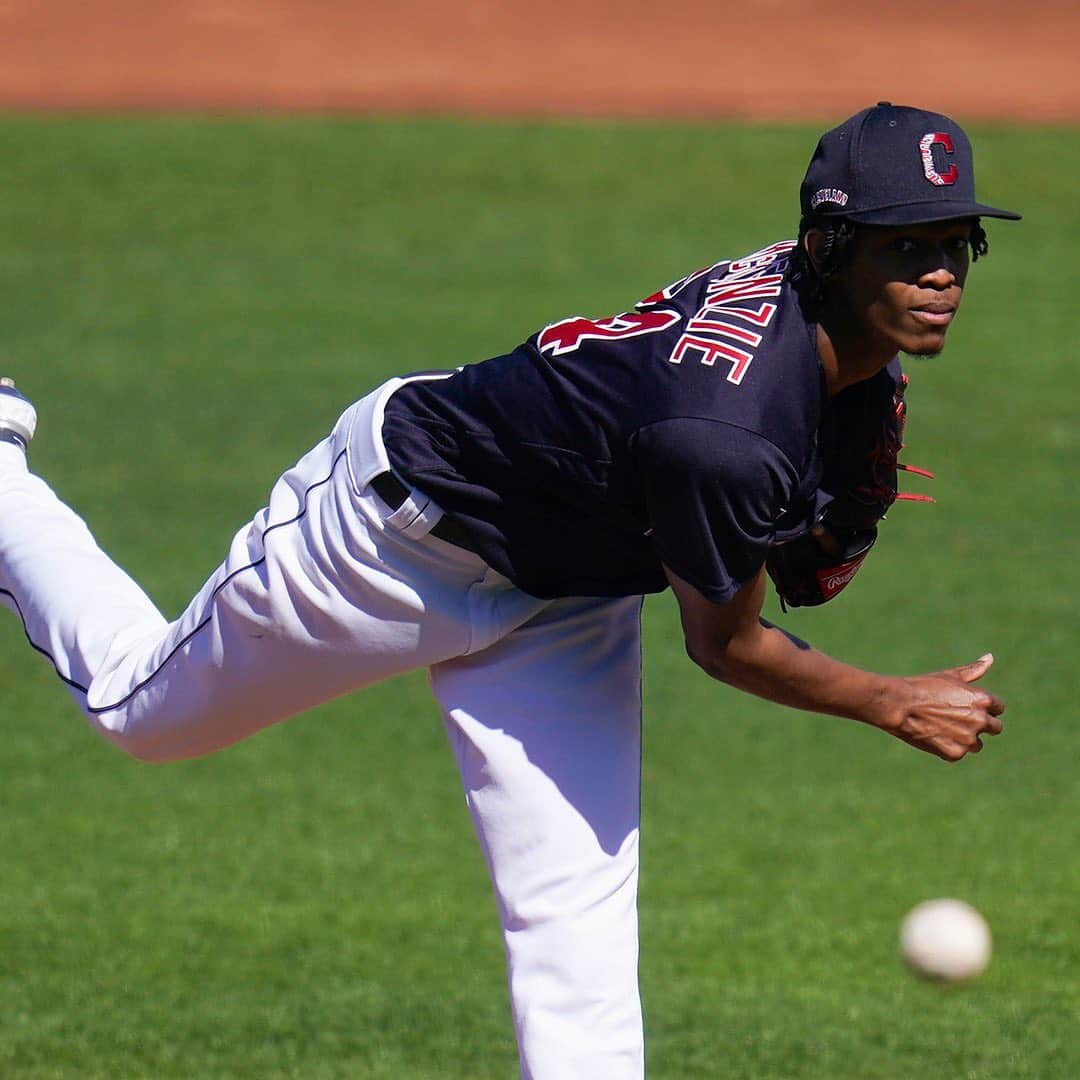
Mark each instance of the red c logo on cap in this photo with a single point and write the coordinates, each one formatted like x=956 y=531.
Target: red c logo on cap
x=926 y=146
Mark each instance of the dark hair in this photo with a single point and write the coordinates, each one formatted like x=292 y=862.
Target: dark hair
x=809 y=280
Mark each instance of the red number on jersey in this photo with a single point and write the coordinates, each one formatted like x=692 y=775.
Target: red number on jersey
x=567 y=335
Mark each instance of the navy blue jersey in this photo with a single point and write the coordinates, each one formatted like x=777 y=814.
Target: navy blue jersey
x=684 y=432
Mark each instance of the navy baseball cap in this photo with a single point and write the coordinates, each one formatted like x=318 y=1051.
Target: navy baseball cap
x=894 y=165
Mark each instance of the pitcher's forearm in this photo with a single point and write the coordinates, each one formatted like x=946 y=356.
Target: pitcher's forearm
x=770 y=664
x=942 y=713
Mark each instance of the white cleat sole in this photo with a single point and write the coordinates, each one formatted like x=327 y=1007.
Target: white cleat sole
x=18 y=418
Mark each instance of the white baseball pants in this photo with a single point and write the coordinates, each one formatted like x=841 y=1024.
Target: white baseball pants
x=326 y=591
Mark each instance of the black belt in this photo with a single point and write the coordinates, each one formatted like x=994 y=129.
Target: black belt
x=393 y=492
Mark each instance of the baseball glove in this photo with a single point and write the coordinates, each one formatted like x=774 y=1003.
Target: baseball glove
x=859 y=479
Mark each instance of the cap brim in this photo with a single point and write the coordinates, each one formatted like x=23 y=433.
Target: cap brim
x=919 y=213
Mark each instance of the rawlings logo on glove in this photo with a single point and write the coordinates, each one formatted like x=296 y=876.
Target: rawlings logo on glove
x=835 y=578
x=814 y=567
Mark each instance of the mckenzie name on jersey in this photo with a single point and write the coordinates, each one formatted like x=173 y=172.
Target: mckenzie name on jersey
x=683 y=432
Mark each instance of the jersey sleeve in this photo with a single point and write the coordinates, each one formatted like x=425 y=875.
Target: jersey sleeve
x=713 y=492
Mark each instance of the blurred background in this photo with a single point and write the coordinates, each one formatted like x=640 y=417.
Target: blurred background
x=781 y=59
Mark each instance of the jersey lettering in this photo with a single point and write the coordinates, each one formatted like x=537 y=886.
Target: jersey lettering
x=567 y=335
x=760 y=316
x=723 y=329
x=750 y=263
x=726 y=292
x=675 y=287
x=711 y=351
x=716 y=324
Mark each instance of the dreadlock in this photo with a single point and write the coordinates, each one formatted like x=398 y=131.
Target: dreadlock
x=810 y=281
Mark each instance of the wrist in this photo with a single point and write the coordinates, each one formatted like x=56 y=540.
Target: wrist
x=878 y=708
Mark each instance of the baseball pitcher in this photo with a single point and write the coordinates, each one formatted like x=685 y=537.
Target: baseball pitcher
x=499 y=523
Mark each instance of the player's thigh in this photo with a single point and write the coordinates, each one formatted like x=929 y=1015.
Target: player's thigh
x=317 y=597
x=546 y=729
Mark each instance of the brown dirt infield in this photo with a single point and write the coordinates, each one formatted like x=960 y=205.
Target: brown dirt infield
x=759 y=58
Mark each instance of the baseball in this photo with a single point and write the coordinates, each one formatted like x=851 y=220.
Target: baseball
x=946 y=940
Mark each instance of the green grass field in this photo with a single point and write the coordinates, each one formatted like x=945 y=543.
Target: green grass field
x=191 y=303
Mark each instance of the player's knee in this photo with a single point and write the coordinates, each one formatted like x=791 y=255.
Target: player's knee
x=157 y=741
x=141 y=748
